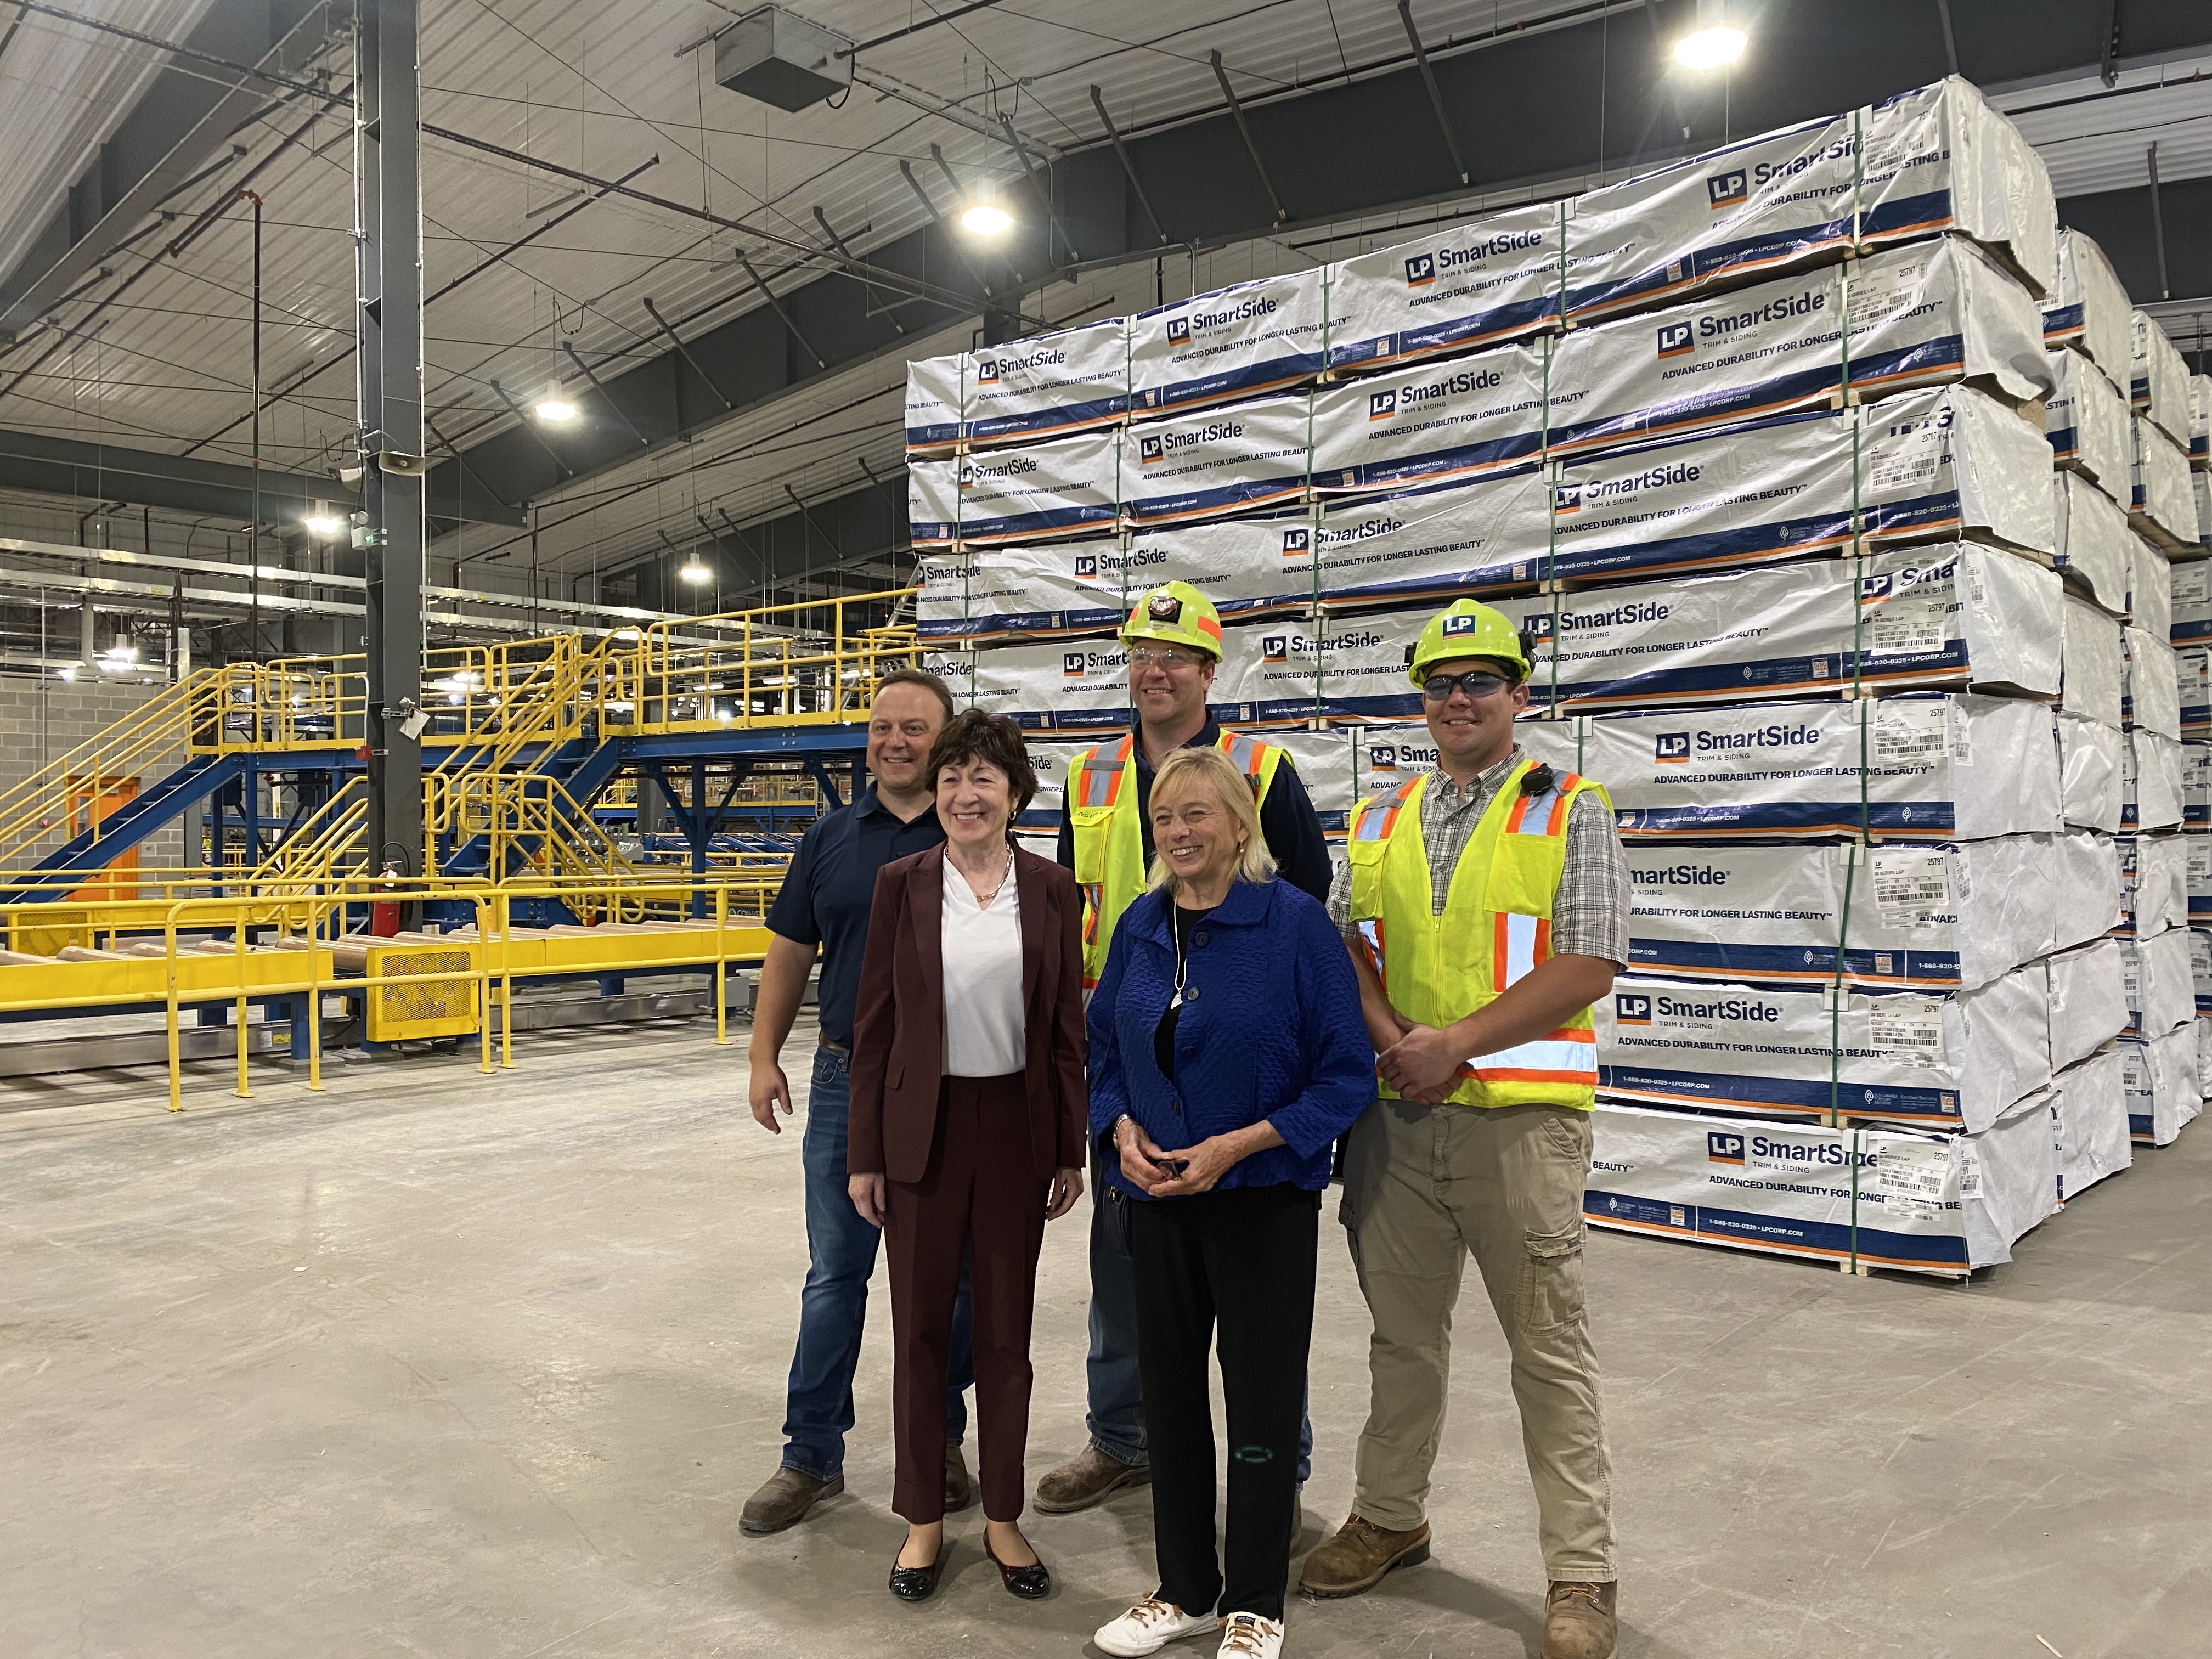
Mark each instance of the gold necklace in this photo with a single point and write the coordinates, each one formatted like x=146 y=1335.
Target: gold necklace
x=983 y=900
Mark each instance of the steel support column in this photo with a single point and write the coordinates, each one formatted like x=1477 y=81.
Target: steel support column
x=387 y=170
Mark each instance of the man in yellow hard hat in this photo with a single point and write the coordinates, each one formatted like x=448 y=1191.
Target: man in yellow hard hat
x=1174 y=636
x=1485 y=906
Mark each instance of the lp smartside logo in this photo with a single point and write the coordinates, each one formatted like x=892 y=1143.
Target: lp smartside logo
x=1672 y=749
x=1382 y=756
x=1086 y=566
x=1630 y=1009
x=1727 y=189
x=1296 y=544
x=1676 y=340
x=1070 y=664
x=1567 y=498
x=1723 y=1147
x=1148 y=451
x=1275 y=647
x=1178 y=331
x=1420 y=270
x=1381 y=405
x=987 y=372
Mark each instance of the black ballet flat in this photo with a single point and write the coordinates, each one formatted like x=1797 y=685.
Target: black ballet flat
x=919 y=1583
x=1032 y=1582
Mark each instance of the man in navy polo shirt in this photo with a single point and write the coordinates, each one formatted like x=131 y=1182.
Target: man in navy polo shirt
x=824 y=900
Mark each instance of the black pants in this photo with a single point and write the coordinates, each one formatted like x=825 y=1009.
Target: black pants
x=1243 y=1260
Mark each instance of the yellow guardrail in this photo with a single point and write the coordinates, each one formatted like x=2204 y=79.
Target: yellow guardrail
x=186 y=973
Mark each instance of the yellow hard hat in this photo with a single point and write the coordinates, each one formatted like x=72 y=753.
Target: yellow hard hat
x=1176 y=613
x=1467 y=629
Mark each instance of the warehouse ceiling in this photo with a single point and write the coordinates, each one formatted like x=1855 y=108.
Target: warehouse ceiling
x=769 y=439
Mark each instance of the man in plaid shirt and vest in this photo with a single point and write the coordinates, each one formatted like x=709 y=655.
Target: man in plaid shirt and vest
x=1485 y=906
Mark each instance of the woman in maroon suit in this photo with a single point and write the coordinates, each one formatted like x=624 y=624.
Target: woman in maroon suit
x=968 y=1124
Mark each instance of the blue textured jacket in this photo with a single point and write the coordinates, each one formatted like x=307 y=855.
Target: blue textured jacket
x=1270 y=1028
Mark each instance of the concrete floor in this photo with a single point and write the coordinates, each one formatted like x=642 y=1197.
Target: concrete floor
x=442 y=1366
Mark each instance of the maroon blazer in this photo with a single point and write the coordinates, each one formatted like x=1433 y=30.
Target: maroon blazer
x=898 y=1022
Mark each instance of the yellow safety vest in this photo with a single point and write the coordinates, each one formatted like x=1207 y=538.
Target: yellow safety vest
x=1109 y=840
x=1496 y=927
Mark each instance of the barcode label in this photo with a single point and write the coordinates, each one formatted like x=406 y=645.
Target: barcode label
x=1911 y=1175
x=1915 y=1034
x=1911 y=885
x=1906 y=735
x=1905 y=626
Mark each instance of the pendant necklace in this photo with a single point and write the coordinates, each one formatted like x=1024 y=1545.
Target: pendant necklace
x=983 y=900
x=1182 y=957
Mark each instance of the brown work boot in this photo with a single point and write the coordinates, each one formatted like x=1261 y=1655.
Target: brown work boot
x=1085 y=1478
x=785 y=1500
x=1578 y=1622
x=959 y=1490
x=1357 y=1557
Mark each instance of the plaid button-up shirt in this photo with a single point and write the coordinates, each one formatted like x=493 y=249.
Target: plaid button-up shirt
x=1590 y=915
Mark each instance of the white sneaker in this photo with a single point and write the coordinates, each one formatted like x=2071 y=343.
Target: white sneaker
x=1248 y=1636
x=1149 y=1626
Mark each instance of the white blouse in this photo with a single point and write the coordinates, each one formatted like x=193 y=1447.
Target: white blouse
x=984 y=1034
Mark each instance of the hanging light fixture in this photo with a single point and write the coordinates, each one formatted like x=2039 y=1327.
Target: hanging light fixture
x=1710 y=49
x=554 y=408
x=696 y=572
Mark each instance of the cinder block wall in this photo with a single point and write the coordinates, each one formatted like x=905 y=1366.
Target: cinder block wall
x=45 y=719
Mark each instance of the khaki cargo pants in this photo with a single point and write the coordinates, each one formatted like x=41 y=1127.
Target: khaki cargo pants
x=1425 y=1186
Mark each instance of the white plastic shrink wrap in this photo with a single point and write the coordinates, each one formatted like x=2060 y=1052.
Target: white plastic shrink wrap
x=2085 y=422
x=2087 y=1000
x=1040 y=492
x=1935 y=159
x=2158 y=379
x=1926 y=314
x=1955 y=614
x=1057 y=686
x=1930 y=767
x=1477 y=284
x=1049 y=385
x=1239 y=342
x=2150 y=589
x=2196 y=876
x=2159 y=1076
x=2154 y=680
x=2192 y=675
x=1876 y=1197
x=936 y=404
x=2163 y=499
x=2150 y=783
x=2200 y=419
x=1429 y=423
x=2090 y=310
x=1031 y=590
x=1293 y=668
x=1049 y=758
x=1945 y=461
x=2093 y=1123
x=1483 y=537
x=2094 y=543
x=2158 y=983
x=1328 y=765
x=2154 y=884
x=1938 y=1062
x=2196 y=784
x=2093 y=667
x=2091 y=759
x=1949 y=917
x=1247 y=566
x=1216 y=461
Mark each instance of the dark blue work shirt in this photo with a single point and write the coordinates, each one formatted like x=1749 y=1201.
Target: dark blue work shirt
x=830 y=887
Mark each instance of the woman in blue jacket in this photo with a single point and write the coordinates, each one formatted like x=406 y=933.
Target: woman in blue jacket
x=1227 y=1053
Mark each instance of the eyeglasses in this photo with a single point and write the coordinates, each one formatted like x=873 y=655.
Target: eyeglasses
x=1438 y=688
x=1144 y=657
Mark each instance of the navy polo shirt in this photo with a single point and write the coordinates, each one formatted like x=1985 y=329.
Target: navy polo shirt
x=830 y=888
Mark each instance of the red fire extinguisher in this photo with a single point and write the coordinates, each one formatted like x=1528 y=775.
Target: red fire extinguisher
x=384 y=913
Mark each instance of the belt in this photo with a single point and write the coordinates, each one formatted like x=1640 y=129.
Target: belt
x=834 y=1048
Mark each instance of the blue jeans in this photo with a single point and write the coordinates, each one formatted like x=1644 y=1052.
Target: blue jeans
x=1116 y=1419
x=841 y=1251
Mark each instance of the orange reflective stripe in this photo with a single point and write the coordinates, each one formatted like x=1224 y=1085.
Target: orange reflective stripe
x=1244 y=753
